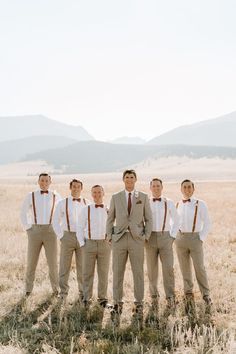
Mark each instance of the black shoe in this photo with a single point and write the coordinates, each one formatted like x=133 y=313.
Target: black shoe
x=116 y=312
x=102 y=303
x=207 y=300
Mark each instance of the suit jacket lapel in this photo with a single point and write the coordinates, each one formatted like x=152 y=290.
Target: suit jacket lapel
x=123 y=201
x=134 y=201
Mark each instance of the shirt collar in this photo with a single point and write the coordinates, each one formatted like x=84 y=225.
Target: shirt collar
x=127 y=193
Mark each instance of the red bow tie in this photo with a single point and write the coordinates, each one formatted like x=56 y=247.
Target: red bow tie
x=99 y=205
x=186 y=200
x=76 y=200
x=156 y=199
x=44 y=192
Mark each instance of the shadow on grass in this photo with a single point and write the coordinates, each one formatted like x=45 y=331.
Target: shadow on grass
x=72 y=329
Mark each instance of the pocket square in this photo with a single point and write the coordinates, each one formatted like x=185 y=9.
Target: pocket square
x=139 y=202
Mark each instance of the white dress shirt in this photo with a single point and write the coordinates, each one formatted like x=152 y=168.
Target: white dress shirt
x=158 y=213
x=98 y=218
x=43 y=207
x=186 y=213
x=59 y=222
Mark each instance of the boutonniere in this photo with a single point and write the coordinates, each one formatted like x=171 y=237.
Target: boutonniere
x=139 y=202
x=136 y=194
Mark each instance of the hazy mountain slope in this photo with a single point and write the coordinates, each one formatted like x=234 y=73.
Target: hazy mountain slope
x=15 y=150
x=19 y=127
x=220 y=131
x=86 y=157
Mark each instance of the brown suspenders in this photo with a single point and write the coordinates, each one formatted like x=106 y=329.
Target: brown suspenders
x=195 y=215
x=165 y=214
x=89 y=226
x=53 y=205
x=67 y=215
x=89 y=222
x=34 y=208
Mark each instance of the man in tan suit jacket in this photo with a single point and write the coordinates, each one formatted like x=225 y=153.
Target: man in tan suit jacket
x=129 y=224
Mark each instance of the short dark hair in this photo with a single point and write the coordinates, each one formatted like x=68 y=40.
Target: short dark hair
x=97 y=186
x=44 y=174
x=76 y=181
x=155 y=179
x=187 y=180
x=129 y=172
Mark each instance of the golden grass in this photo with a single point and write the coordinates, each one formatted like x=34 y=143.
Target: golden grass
x=39 y=326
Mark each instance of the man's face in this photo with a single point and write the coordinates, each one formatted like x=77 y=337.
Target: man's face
x=76 y=189
x=187 y=190
x=97 y=195
x=129 y=181
x=156 y=188
x=44 y=182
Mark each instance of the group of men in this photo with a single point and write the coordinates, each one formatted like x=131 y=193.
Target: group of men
x=133 y=223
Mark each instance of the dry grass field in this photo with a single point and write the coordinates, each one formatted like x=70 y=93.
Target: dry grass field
x=38 y=325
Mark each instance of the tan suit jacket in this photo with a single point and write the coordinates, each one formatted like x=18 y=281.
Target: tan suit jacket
x=139 y=222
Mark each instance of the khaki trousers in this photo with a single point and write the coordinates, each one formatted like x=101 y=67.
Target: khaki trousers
x=189 y=246
x=160 y=245
x=121 y=249
x=100 y=251
x=70 y=245
x=38 y=236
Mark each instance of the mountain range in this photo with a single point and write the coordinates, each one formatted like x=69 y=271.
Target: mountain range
x=72 y=149
x=19 y=127
x=15 y=150
x=95 y=156
x=220 y=131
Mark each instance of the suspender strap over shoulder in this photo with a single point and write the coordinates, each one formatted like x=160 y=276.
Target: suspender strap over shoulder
x=89 y=226
x=53 y=205
x=67 y=215
x=165 y=214
x=34 y=208
x=195 y=216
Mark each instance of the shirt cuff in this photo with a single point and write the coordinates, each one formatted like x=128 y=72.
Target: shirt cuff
x=27 y=227
x=173 y=234
x=60 y=235
x=81 y=243
x=202 y=236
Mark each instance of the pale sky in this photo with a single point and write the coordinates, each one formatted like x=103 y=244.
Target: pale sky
x=118 y=68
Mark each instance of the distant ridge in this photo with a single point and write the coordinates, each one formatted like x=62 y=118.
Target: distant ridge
x=94 y=156
x=220 y=131
x=19 y=127
x=15 y=150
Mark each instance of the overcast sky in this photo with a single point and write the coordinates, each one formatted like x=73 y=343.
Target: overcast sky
x=127 y=67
